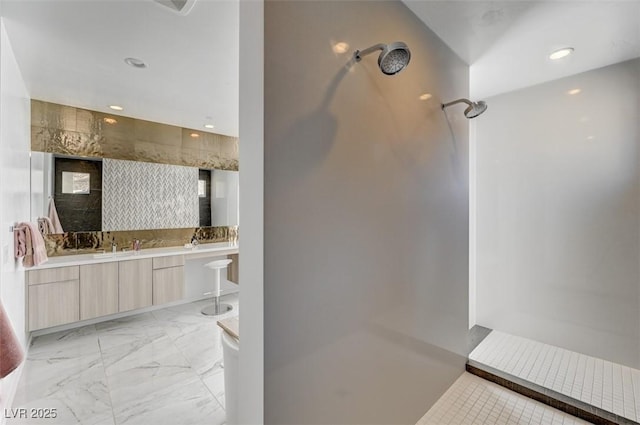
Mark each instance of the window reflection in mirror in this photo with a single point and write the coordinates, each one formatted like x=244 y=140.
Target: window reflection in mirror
x=75 y=183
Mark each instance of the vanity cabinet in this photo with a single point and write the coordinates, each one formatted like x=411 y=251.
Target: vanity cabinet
x=135 y=284
x=98 y=290
x=91 y=289
x=53 y=297
x=168 y=279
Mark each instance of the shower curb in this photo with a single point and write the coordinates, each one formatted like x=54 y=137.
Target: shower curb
x=547 y=396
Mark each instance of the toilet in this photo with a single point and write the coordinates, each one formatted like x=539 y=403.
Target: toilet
x=216 y=308
x=230 y=353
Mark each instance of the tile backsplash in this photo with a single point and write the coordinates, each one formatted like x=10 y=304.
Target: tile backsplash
x=73 y=243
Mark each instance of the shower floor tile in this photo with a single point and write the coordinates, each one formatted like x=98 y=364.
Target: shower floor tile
x=595 y=382
x=473 y=400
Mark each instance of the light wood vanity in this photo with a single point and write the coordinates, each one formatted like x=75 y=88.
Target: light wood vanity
x=75 y=288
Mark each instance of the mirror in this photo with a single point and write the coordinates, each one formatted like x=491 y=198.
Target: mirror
x=93 y=194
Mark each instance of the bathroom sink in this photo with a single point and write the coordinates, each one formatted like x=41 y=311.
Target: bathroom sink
x=115 y=254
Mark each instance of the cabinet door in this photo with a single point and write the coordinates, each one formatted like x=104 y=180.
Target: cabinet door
x=168 y=285
x=233 y=270
x=52 y=304
x=135 y=284
x=98 y=290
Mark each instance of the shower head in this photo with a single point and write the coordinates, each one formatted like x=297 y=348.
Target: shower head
x=473 y=110
x=393 y=58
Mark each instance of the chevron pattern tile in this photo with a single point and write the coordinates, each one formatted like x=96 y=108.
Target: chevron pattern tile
x=144 y=195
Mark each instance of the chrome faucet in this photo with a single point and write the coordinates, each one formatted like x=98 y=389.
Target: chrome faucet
x=114 y=247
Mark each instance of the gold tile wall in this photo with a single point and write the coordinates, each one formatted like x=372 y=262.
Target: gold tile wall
x=79 y=132
x=72 y=243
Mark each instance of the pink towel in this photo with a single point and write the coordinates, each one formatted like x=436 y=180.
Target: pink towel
x=53 y=216
x=45 y=226
x=19 y=242
x=10 y=350
x=35 y=251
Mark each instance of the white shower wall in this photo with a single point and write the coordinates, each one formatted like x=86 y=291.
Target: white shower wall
x=557 y=213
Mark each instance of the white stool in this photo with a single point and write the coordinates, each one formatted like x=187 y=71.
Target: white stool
x=216 y=308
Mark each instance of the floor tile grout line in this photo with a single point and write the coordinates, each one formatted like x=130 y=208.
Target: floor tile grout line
x=106 y=378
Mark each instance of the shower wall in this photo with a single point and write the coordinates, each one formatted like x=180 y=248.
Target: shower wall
x=366 y=217
x=558 y=221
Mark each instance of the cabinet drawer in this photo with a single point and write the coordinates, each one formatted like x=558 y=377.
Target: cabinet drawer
x=171 y=261
x=52 y=304
x=57 y=274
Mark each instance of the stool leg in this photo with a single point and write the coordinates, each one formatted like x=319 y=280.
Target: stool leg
x=216 y=308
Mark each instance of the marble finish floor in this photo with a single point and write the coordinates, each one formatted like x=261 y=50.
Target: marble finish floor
x=159 y=367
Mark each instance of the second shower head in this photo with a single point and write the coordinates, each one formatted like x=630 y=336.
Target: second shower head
x=394 y=57
x=473 y=110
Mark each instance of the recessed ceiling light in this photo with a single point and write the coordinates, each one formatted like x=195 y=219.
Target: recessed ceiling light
x=110 y=120
x=574 y=91
x=561 y=53
x=194 y=135
x=340 y=47
x=116 y=107
x=208 y=126
x=425 y=96
x=134 y=62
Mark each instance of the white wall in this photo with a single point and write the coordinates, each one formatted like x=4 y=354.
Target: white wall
x=251 y=357
x=224 y=198
x=15 y=117
x=558 y=213
x=366 y=217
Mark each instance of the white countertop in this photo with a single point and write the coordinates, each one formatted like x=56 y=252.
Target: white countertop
x=220 y=248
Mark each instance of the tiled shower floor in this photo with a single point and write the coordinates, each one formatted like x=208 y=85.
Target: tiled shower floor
x=474 y=401
x=608 y=386
x=161 y=367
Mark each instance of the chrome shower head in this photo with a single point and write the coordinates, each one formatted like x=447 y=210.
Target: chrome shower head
x=473 y=110
x=393 y=58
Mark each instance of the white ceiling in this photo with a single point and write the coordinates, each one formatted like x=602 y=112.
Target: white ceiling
x=507 y=43
x=72 y=52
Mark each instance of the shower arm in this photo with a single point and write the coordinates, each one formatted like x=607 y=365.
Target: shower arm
x=359 y=54
x=457 y=101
